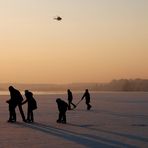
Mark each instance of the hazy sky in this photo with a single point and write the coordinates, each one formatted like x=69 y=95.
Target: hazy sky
x=97 y=40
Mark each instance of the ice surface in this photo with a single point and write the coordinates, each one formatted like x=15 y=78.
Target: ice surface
x=117 y=119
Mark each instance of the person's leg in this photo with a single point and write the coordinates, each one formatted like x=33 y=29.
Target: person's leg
x=60 y=117
x=28 y=115
x=21 y=112
x=88 y=106
x=12 y=114
x=32 y=117
x=64 y=117
x=69 y=107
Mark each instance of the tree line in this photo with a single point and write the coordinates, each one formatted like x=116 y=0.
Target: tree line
x=114 y=85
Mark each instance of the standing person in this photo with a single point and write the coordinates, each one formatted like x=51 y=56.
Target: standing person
x=87 y=98
x=70 y=98
x=62 y=107
x=15 y=100
x=32 y=105
x=12 y=113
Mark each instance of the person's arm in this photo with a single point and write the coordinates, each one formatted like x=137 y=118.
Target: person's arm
x=83 y=96
x=8 y=101
x=24 y=101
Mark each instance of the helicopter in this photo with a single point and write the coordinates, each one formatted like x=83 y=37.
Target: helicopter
x=58 y=18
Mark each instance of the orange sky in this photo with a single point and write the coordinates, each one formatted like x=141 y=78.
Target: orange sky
x=96 y=41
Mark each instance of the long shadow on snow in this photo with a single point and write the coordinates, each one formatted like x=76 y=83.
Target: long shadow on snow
x=140 y=116
x=134 y=137
x=83 y=139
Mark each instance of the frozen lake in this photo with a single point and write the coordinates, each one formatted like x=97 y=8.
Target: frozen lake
x=117 y=119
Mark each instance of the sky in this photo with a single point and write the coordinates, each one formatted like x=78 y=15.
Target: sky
x=96 y=41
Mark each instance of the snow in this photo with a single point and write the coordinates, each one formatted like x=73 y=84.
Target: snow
x=117 y=119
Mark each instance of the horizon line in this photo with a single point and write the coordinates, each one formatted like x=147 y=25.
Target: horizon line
x=42 y=83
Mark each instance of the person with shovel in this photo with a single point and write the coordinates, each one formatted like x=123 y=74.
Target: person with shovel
x=87 y=98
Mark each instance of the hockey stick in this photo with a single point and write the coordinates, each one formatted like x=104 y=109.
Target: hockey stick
x=76 y=104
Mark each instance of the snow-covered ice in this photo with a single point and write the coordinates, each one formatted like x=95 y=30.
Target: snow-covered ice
x=117 y=119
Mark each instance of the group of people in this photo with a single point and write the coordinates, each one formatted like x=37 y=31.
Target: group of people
x=63 y=106
x=16 y=99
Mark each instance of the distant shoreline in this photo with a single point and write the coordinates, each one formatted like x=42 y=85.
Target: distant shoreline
x=74 y=92
x=114 y=85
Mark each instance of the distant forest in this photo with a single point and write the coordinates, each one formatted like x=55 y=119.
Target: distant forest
x=114 y=85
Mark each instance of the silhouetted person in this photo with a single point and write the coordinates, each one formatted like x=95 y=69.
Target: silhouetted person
x=12 y=113
x=62 y=107
x=15 y=100
x=32 y=105
x=70 y=98
x=87 y=98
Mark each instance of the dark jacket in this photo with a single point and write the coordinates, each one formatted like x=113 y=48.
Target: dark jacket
x=62 y=105
x=32 y=104
x=15 y=97
x=87 y=97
